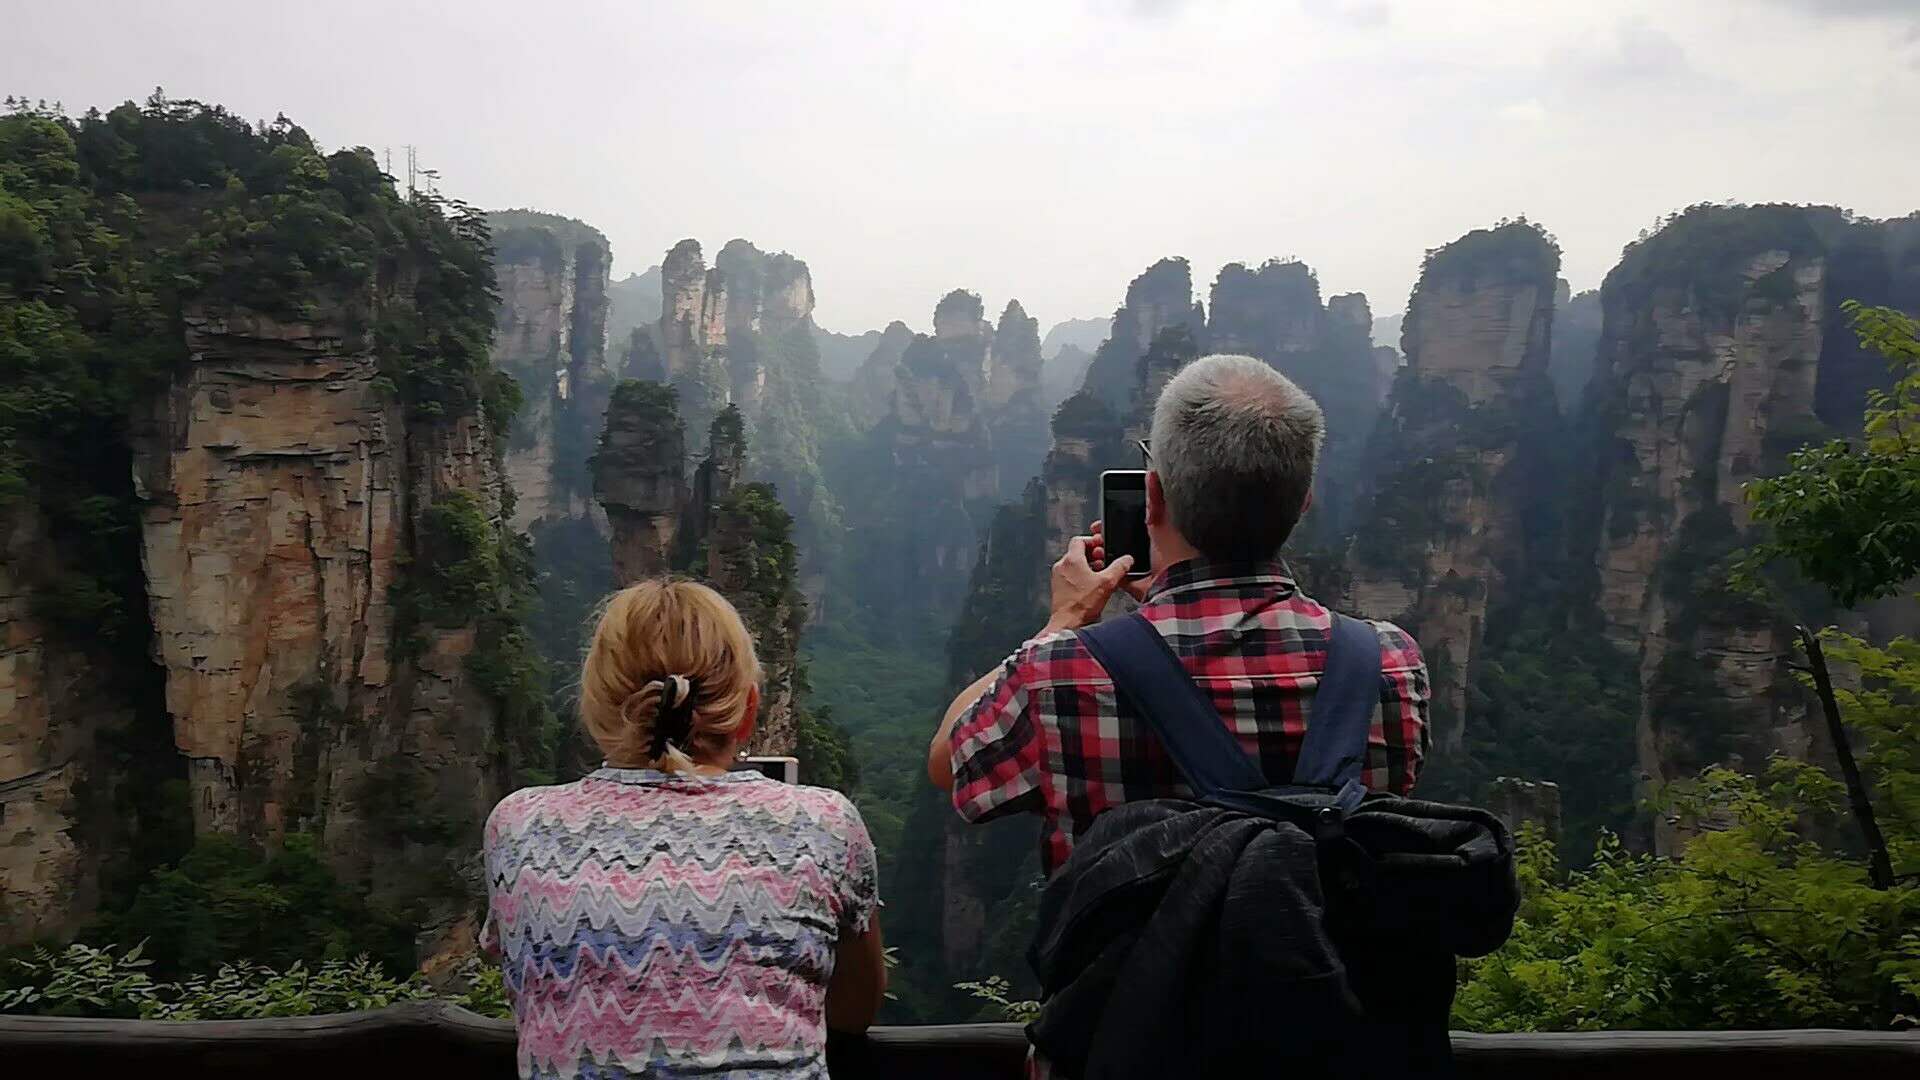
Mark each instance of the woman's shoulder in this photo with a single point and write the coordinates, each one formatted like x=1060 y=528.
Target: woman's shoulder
x=521 y=806
x=829 y=807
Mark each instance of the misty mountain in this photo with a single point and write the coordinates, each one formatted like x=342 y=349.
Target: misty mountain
x=1083 y=334
x=632 y=301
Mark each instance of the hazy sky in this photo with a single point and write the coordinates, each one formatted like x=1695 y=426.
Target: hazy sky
x=1050 y=150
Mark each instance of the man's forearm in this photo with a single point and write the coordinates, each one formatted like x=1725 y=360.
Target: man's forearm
x=940 y=751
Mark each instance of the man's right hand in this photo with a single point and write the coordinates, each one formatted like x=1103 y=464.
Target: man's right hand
x=1097 y=558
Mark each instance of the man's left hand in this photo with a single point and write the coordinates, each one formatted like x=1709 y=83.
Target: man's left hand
x=1080 y=592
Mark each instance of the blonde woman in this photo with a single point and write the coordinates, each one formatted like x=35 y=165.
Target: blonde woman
x=664 y=916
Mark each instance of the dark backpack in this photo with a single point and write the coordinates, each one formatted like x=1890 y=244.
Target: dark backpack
x=1404 y=887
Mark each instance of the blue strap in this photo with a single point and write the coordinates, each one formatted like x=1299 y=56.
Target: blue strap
x=1343 y=706
x=1145 y=670
x=1153 y=679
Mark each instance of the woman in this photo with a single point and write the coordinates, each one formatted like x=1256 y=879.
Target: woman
x=664 y=916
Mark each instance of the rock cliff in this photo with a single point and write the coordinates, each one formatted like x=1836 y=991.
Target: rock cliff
x=870 y=393
x=1160 y=298
x=551 y=336
x=1274 y=312
x=285 y=495
x=742 y=333
x=64 y=702
x=1440 y=534
x=732 y=534
x=639 y=477
x=274 y=592
x=1722 y=350
x=1709 y=359
x=963 y=426
x=1016 y=413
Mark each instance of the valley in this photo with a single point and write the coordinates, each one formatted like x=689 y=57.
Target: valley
x=312 y=484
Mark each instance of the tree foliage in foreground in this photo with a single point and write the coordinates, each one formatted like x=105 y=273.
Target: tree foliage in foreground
x=1848 y=516
x=1759 y=922
x=81 y=980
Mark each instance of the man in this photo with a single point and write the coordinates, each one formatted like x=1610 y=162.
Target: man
x=1234 y=444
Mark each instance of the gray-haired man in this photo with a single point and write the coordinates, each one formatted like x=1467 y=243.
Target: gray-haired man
x=1234 y=446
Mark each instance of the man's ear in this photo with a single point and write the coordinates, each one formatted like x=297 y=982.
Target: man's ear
x=1156 y=500
x=1307 y=504
x=744 y=733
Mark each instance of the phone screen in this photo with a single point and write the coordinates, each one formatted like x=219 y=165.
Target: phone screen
x=1123 y=513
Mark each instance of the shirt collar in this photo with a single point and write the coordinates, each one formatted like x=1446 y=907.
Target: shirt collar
x=655 y=776
x=1202 y=574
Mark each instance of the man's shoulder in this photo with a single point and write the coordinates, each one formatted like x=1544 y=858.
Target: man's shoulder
x=1398 y=650
x=1057 y=657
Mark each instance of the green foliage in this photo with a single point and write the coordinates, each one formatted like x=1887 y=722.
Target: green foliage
x=81 y=980
x=996 y=993
x=113 y=225
x=78 y=981
x=1883 y=708
x=1846 y=517
x=1551 y=705
x=1516 y=252
x=1754 y=926
x=246 y=991
x=1702 y=251
x=470 y=571
x=757 y=563
x=223 y=901
x=823 y=747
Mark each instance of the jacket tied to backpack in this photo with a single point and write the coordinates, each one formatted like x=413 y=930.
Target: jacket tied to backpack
x=1306 y=929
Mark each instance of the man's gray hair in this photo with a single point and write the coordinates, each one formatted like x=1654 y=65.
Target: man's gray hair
x=1234 y=442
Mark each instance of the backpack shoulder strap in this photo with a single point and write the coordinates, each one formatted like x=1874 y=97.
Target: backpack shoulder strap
x=1144 y=669
x=1343 y=706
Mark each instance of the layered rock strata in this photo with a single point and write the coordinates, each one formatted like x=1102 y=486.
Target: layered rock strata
x=285 y=494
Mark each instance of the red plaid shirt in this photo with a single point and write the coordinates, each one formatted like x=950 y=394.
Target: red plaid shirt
x=1050 y=735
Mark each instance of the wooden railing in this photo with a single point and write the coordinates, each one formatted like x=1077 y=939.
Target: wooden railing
x=444 y=1042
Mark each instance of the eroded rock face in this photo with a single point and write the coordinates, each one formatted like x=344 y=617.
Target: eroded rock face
x=718 y=326
x=551 y=336
x=1440 y=535
x=939 y=439
x=639 y=477
x=1158 y=299
x=55 y=794
x=282 y=493
x=733 y=535
x=872 y=387
x=275 y=511
x=1709 y=395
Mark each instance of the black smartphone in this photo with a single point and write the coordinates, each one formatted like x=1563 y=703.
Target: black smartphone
x=1123 y=516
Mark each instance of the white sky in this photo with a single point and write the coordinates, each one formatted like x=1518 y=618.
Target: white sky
x=1050 y=149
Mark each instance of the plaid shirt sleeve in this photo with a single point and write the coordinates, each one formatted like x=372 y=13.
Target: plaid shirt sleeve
x=1401 y=740
x=997 y=746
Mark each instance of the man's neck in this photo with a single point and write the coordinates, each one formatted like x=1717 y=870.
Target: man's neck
x=1170 y=548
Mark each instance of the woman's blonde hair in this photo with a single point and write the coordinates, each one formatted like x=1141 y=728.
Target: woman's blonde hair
x=649 y=633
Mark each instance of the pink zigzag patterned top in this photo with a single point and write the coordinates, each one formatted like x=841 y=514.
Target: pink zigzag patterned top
x=662 y=925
